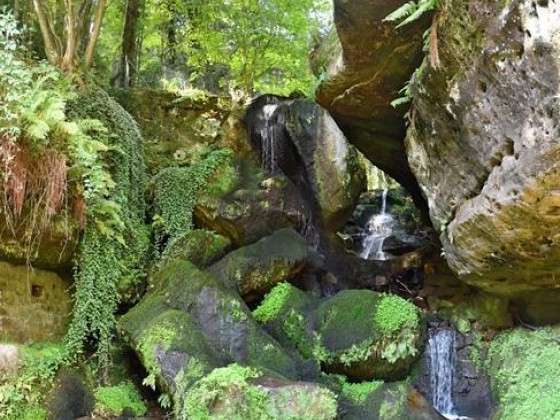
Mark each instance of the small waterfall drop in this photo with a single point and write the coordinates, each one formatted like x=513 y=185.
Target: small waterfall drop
x=441 y=352
x=268 y=141
x=379 y=228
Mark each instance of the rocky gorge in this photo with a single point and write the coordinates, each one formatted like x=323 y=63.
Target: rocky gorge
x=340 y=257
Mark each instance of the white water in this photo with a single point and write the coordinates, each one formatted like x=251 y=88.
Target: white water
x=441 y=352
x=379 y=228
x=268 y=138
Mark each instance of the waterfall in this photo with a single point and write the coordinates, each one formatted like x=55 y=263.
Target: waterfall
x=441 y=352
x=268 y=141
x=379 y=228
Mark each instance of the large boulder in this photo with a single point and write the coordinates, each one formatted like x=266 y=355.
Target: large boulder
x=484 y=147
x=255 y=269
x=254 y=210
x=190 y=324
x=300 y=139
x=369 y=64
x=359 y=333
x=236 y=392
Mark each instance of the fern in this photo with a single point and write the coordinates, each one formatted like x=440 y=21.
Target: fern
x=411 y=11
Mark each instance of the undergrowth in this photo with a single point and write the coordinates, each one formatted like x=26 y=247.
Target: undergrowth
x=176 y=192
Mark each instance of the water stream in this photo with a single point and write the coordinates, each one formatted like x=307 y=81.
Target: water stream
x=268 y=139
x=379 y=228
x=441 y=353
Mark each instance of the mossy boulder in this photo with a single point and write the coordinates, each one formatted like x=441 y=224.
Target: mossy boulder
x=255 y=269
x=524 y=370
x=236 y=392
x=55 y=249
x=382 y=400
x=359 y=333
x=190 y=324
x=200 y=247
x=258 y=207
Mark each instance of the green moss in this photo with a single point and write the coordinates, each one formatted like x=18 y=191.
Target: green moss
x=392 y=313
x=208 y=390
x=274 y=302
x=201 y=247
x=524 y=369
x=359 y=392
x=113 y=400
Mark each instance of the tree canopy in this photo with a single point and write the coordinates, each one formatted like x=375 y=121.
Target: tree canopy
x=250 y=45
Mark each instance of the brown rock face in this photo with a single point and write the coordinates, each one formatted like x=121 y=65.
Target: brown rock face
x=484 y=143
x=34 y=305
x=371 y=64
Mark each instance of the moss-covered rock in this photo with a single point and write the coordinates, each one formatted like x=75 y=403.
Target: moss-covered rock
x=236 y=392
x=112 y=401
x=199 y=246
x=190 y=324
x=254 y=269
x=256 y=209
x=55 y=249
x=359 y=333
x=524 y=370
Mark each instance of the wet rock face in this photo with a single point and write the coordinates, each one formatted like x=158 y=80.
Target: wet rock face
x=300 y=139
x=484 y=143
x=364 y=75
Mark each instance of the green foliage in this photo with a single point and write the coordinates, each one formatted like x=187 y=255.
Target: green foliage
x=359 y=392
x=524 y=370
x=393 y=313
x=113 y=400
x=406 y=14
x=412 y=11
x=263 y=44
x=206 y=391
x=21 y=393
x=176 y=192
x=115 y=247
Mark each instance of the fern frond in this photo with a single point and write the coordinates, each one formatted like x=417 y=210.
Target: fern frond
x=402 y=12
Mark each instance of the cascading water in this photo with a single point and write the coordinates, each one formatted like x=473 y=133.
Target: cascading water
x=441 y=353
x=268 y=141
x=379 y=228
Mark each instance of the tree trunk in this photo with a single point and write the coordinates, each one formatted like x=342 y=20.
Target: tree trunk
x=52 y=53
x=128 y=64
x=96 y=30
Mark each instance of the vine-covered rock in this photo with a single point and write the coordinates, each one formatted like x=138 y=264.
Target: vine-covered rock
x=255 y=269
x=359 y=333
x=190 y=324
x=483 y=142
x=236 y=392
x=364 y=74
